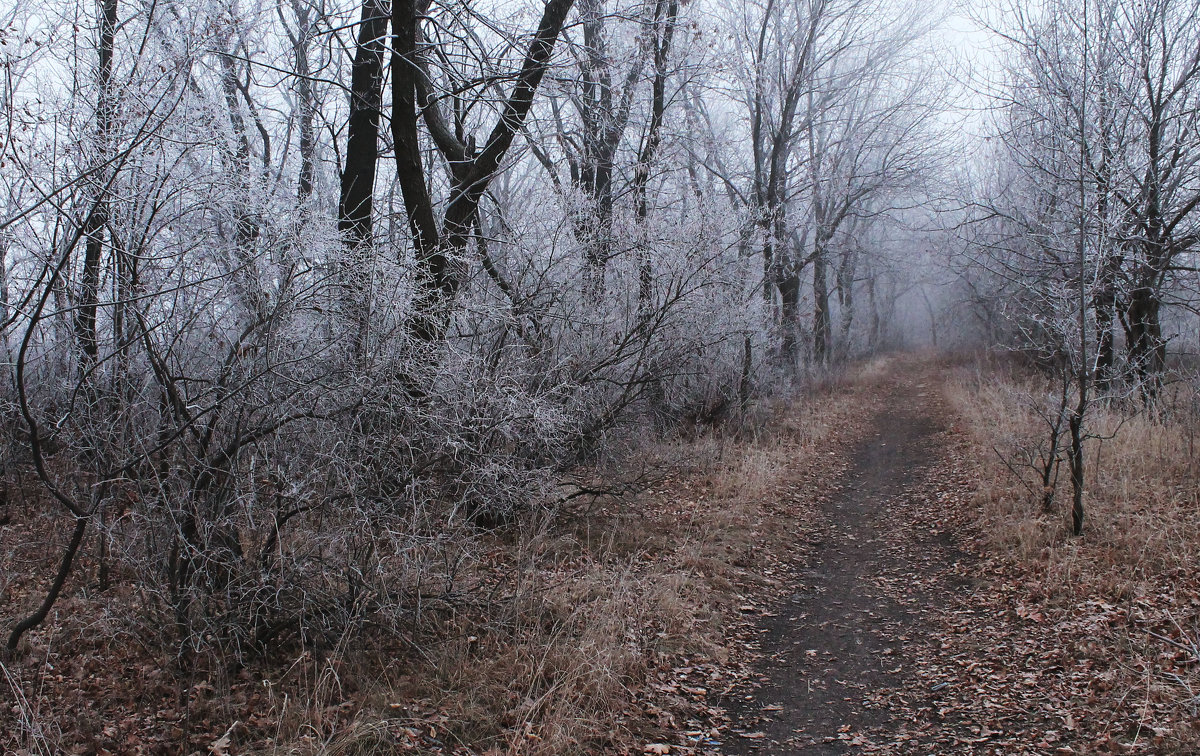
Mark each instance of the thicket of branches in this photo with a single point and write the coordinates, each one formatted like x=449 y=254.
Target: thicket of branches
x=296 y=296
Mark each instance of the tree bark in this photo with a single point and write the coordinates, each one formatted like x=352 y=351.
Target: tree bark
x=665 y=14
x=872 y=302
x=1104 y=304
x=1147 y=349
x=97 y=220
x=788 y=284
x=306 y=106
x=845 y=288
x=821 y=334
x=357 y=190
x=362 y=128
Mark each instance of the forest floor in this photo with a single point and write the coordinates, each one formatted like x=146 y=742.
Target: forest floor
x=855 y=572
x=836 y=652
x=938 y=610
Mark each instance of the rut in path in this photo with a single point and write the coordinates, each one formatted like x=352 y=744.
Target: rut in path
x=839 y=640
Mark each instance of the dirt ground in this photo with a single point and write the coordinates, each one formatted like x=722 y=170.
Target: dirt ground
x=911 y=627
x=835 y=658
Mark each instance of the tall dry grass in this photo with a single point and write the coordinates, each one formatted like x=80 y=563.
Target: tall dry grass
x=1141 y=488
x=1126 y=594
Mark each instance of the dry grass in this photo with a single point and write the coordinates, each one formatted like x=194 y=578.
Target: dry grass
x=1125 y=597
x=1141 y=491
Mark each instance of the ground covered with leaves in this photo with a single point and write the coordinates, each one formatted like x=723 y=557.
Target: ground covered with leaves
x=1087 y=644
x=986 y=627
x=861 y=569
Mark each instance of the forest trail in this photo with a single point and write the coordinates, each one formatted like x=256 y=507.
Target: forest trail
x=836 y=653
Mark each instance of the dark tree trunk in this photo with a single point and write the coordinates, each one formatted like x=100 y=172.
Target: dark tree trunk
x=89 y=290
x=747 y=372
x=596 y=165
x=596 y=225
x=362 y=128
x=356 y=199
x=1076 y=460
x=440 y=253
x=1105 y=307
x=306 y=106
x=789 y=320
x=1147 y=349
x=821 y=321
x=770 y=257
x=97 y=220
x=1104 y=301
x=665 y=13
x=1104 y=304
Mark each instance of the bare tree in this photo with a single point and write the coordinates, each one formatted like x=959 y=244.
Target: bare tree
x=440 y=247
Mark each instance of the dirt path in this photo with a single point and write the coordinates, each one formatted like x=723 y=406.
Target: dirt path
x=834 y=653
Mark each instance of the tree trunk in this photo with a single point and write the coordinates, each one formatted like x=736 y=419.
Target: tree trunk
x=1104 y=306
x=440 y=252
x=1147 y=349
x=747 y=372
x=789 y=320
x=665 y=13
x=845 y=287
x=770 y=257
x=356 y=200
x=1076 y=459
x=246 y=224
x=596 y=162
x=97 y=220
x=362 y=127
x=821 y=322
x=872 y=302
x=306 y=106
